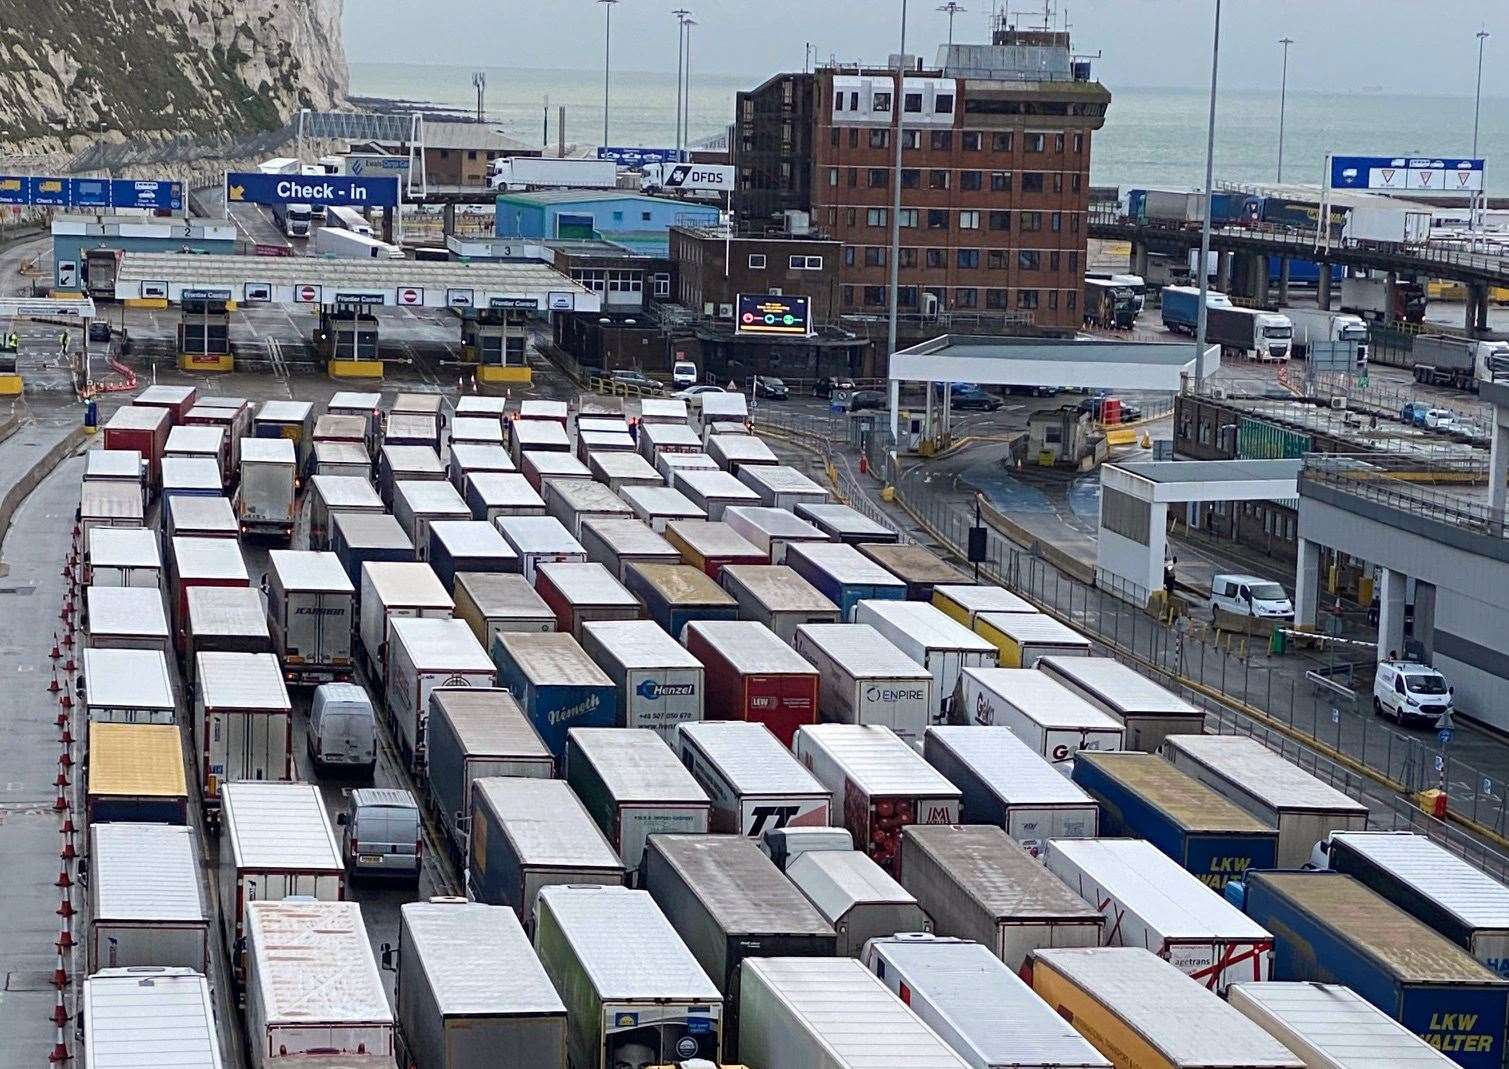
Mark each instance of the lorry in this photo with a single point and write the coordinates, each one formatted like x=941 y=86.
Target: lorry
x=359 y=537
x=979 y=1007
x=266 y=495
x=1181 y=307
x=537 y=464
x=752 y=675
x=686 y=177
x=1147 y=711
x=857 y=897
x=617 y=543
x=941 y=645
x=525 y=172
x=1110 y=306
x=1462 y=363
x=1250 y=333
x=1022 y=638
x=500 y=601
x=198 y=517
x=1324 y=325
x=842 y=523
x=177 y=401
x=177 y=1001
x=126 y=618
x=292 y=420
x=527 y=833
x=468 y=458
x=712 y=491
x=579 y=592
x=1386 y=224
x=1043 y=713
x=419 y=503
x=225 y=619
x=879 y=786
x=190 y=476
x=350 y=245
x=1005 y=782
x=1331 y=928
x=556 y=683
x=311 y=605
x=476 y=732
x=830 y=1014
x=200 y=562
x=277 y=843
x=427 y=654
x=145 y=908
x=1431 y=884
x=210 y=443
x=332 y=494
x=660 y=684
x=709 y=547
x=729 y=903
x=398 y=463
x=658 y=438
x=734 y=452
x=101 y=269
x=243 y=723
x=1150 y=901
x=633 y=786
x=1277 y=792
x=136 y=773
x=1368 y=296
x=1332 y=1027
x=919 y=568
x=634 y=993
x=674 y=595
x=864 y=678
x=491 y=494
x=843 y=574
x=395 y=590
x=144 y=429
x=127 y=686
x=966 y=602
x=473 y=546
x=573 y=500
x=618 y=470
x=976 y=883
x=123 y=556
x=754 y=783
x=109 y=504
x=313 y=991
x=778 y=598
x=468 y=987
x=538 y=540
x=540 y=436
x=781 y=486
x=1144 y=796
x=1128 y=999
x=773 y=530
x=669 y=461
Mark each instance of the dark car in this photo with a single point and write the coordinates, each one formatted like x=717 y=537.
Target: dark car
x=99 y=331
x=637 y=379
x=1093 y=406
x=834 y=384
x=772 y=388
x=976 y=398
x=860 y=400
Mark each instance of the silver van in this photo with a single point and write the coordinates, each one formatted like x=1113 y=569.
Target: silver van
x=381 y=833
x=342 y=728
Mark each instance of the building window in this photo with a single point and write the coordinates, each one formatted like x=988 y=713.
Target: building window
x=832 y=216
x=1071 y=300
x=1000 y=141
x=912 y=103
x=875 y=217
x=1029 y=260
x=995 y=260
x=875 y=296
x=804 y=263
x=1074 y=223
x=1058 y=142
x=618 y=217
x=854 y=135
x=937 y=259
x=757 y=261
x=969 y=180
x=1058 y=182
x=662 y=284
x=1053 y=260
x=471 y=153
x=941 y=140
x=910 y=177
x=943 y=104
x=1026 y=298
x=848 y=255
x=969 y=220
x=1056 y=222
x=995 y=299
x=1053 y=300
x=838 y=101
x=907 y=217
x=1032 y=221
x=853 y=177
x=1074 y=182
x=445 y=154
x=937 y=219
x=644 y=217
x=911 y=139
x=1035 y=143
x=1032 y=182
x=848 y=296
x=1000 y=181
x=970 y=139
x=967 y=259
x=937 y=180
x=907 y=258
x=1079 y=143
x=966 y=297
x=1000 y=220
x=906 y=296
x=875 y=255
x=833 y=136
x=880 y=138
x=879 y=178
x=882 y=102
x=832 y=176
x=849 y=216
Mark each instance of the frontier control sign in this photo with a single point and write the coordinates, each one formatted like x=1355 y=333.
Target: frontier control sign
x=773 y=313
x=253 y=187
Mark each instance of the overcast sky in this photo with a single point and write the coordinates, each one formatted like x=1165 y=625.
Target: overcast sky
x=1403 y=45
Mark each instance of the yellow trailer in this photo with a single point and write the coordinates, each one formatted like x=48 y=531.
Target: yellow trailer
x=1024 y=637
x=136 y=773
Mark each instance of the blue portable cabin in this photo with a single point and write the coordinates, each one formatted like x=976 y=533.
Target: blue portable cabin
x=673 y=595
x=1330 y=928
x=640 y=222
x=556 y=684
x=468 y=546
x=843 y=574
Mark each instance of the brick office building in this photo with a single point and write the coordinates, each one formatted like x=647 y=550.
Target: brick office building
x=995 y=176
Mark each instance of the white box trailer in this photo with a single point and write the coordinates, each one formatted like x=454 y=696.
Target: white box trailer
x=393 y=590
x=712 y=491
x=144 y=902
x=109 y=504
x=831 y=1013
x=232 y=619
x=662 y=410
x=733 y=452
x=417 y=504
x=1279 y=793
x=470 y=990
x=329 y=494
x=979 y=1007
x=659 y=505
x=976 y=883
x=1332 y=1027
x=537 y=465
x=171 y=1008
x=656 y=439
x=267 y=495
x=312 y=987
x=590 y=442
x=190 y=476
x=243 y=722
x=857 y=897
x=844 y=524
x=939 y=644
x=774 y=595
x=723 y=407
x=618 y=543
x=634 y=787
x=211 y=443
x=669 y=462
x=1151 y=901
x=1007 y=783
x=537 y=436
x=634 y=993
x=476 y=430
x=311 y=605
x=1043 y=713
x=475 y=458
x=863 y=678
x=754 y=783
x=539 y=540
x=1149 y=712
x=123 y=556
x=1022 y=638
x=782 y=486
x=772 y=529
x=128 y=687
x=276 y=843
x=350 y=459
x=427 y=654
x=491 y=494
x=123 y=466
x=618 y=469
x=491 y=602
x=660 y=685
x=199 y=517
x=126 y=618
x=573 y=500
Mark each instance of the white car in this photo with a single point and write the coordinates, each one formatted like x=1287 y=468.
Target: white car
x=684 y=373
x=1250 y=595
x=1441 y=419
x=1411 y=693
x=697 y=391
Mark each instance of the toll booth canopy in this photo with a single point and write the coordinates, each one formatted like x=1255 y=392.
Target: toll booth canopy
x=496 y=337
x=347 y=334
x=204 y=328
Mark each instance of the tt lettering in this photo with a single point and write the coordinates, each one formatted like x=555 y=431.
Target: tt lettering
x=770 y=818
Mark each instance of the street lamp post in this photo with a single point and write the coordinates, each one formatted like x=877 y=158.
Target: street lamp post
x=1482 y=36
x=898 y=105
x=1210 y=150
x=681 y=13
x=607 y=57
x=1283 y=93
x=686 y=108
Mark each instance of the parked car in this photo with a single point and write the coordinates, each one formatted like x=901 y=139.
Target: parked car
x=697 y=391
x=684 y=373
x=1413 y=413
x=1441 y=419
x=635 y=378
x=860 y=400
x=1411 y=693
x=1032 y=391
x=976 y=398
x=769 y=387
x=99 y=330
x=381 y=833
x=833 y=383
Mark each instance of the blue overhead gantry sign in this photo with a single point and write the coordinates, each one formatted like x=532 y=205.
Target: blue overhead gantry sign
x=253 y=187
x=1434 y=174
x=44 y=191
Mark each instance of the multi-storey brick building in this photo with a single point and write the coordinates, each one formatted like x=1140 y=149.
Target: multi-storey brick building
x=995 y=176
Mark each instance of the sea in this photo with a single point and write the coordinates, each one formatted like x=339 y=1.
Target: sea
x=1152 y=136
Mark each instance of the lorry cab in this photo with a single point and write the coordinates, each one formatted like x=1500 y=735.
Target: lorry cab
x=342 y=728
x=1275 y=336
x=1250 y=596
x=1411 y=693
x=381 y=833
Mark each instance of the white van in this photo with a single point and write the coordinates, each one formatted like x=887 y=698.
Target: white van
x=684 y=374
x=342 y=727
x=1411 y=693
x=381 y=834
x=1251 y=596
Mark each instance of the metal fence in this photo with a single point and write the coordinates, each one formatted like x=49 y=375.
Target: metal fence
x=1408 y=484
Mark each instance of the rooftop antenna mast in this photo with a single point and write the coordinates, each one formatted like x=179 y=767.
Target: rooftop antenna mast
x=479 y=83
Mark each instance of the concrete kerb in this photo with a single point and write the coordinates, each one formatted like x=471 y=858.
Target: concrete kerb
x=33 y=476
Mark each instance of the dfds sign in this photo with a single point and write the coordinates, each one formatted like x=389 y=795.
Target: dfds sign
x=253 y=187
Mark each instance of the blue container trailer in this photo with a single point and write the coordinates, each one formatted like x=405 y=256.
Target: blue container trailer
x=673 y=595
x=843 y=575
x=556 y=684
x=468 y=546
